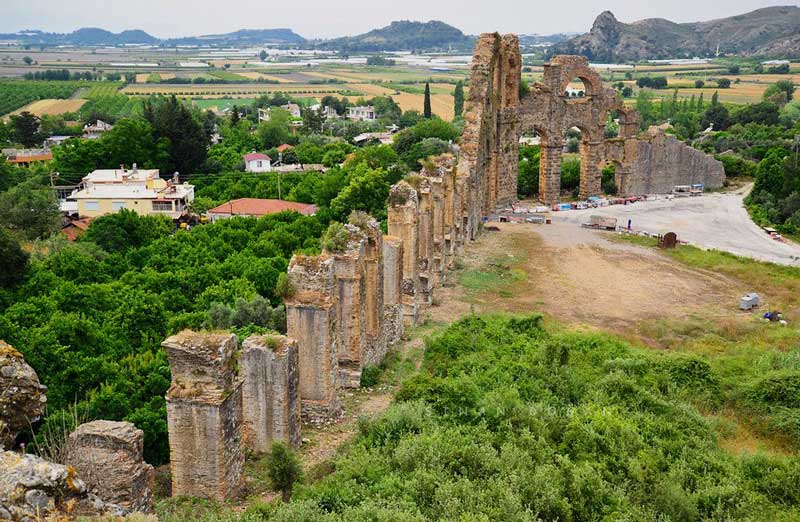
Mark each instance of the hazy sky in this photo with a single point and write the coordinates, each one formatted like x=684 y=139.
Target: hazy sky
x=328 y=18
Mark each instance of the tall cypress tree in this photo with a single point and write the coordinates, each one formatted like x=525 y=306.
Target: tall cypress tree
x=426 y=111
x=458 y=99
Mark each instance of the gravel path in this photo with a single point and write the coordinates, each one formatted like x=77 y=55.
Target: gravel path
x=713 y=221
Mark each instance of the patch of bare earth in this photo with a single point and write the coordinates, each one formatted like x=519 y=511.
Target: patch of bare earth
x=577 y=276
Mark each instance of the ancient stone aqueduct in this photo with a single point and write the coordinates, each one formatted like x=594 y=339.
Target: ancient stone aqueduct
x=350 y=306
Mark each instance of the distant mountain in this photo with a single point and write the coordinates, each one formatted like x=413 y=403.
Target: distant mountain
x=88 y=36
x=91 y=37
x=404 y=36
x=242 y=37
x=768 y=32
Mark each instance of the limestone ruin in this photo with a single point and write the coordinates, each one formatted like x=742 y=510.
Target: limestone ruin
x=22 y=397
x=351 y=303
x=652 y=163
x=108 y=456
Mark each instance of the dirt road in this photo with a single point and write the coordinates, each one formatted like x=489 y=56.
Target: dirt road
x=713 y=221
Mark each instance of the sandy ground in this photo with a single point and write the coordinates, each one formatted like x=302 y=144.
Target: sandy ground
x=579 y=276
x=713 y=221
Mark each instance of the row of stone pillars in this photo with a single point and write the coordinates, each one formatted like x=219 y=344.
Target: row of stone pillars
x=348 y=305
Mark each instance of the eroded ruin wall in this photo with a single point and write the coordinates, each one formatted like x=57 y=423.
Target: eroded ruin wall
x=657 y=162
x=204 y=415
x=270 y=391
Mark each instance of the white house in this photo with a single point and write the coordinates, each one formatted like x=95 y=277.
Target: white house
x=257 y=162
x=362 y=113
x=293 y=109
x=92 y=132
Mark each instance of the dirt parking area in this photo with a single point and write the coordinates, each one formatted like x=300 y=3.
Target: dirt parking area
x=577 y=276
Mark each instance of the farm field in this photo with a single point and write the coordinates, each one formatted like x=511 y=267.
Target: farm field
x=221 y=103
x=51 y=107
x=231 y=90
x=19 y=93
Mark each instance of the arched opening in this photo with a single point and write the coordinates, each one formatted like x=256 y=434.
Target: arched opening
x=571 y=163
x=611 y=172
x=529 y=165
x=575 y=89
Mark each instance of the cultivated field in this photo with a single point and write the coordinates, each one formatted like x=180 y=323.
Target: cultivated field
x=51 y=107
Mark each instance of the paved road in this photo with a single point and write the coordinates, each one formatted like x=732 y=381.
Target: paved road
x=714 y=221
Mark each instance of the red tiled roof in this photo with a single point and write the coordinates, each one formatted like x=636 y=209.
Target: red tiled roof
x=256 y=156
x=261 y=207
x=284 y=147
x=32 y=157
x=76 y=228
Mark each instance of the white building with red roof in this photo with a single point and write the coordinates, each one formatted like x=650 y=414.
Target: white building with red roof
x=257 y=162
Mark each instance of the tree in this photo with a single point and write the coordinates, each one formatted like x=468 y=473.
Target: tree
x=132 y=141
x=458 y=99
x=770 y=173
x=699 y=84
x=12 y=260
x=716 y=115
x=120 y=232
x=715 y=99
x=172 y=119
x=780 y=92
x=31 y=209
x=28 y=60
x=283 y=469
x=426 y=111
x=26 y=129
x=274 y=132
x=724 y=83
x=627 y=91
x=734 y=69
x=235 y=116
x=263 y=55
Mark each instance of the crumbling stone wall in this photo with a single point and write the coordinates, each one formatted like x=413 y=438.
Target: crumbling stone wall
x=270 y=391
x=204 y=414
x=496 y=118
x=655 y=162
x=22 y=397
x=311 y=321
x=109 y=457
x=392 y=289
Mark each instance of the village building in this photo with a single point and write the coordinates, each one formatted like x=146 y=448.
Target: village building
x=257 y=162
x=363 y=113
x=25 y=157
x=253 y=207
x=143 y=191
x=94 y=131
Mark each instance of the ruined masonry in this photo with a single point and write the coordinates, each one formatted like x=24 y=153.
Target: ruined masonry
x=204 y=414
x=351 y=303
x=109 y=457
x=649 y=163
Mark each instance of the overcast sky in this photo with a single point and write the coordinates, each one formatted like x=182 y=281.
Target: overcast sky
x=328 y=18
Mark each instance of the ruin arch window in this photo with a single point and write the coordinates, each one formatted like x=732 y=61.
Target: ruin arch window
x=576 y=88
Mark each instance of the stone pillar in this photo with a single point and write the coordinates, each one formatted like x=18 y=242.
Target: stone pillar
x=376 y=344
x=550 y=171
x=392 y=289
x=437 y=220
x=449 y=191
x=426 y=280
x=508 y=127
x=591 y=175
x=403 y=210
x=350 y=313
x=204 y=414
x=270 y=392
x=311 y=321
x=109 y=457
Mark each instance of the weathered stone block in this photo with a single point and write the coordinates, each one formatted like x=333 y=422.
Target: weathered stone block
x=392 y=288
x=108 y=456
x=270 y=392
x=22 y=397
x=201 y=362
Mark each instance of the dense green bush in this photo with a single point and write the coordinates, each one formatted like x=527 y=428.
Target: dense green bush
x=508 y=421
